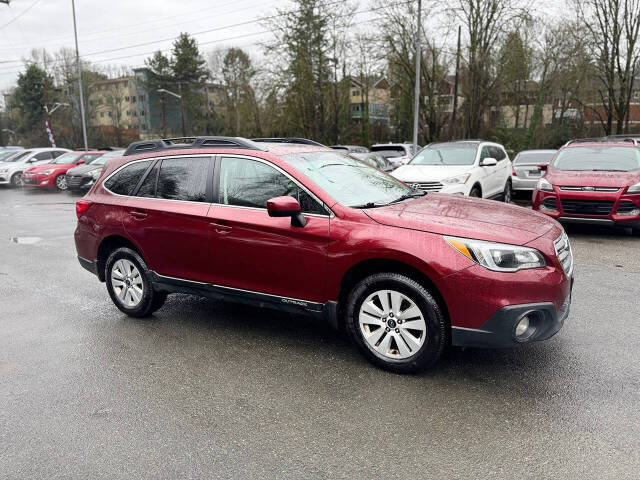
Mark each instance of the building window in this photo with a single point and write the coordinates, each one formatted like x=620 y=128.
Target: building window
x=141 y=98
x=142 y=113
x=126 y=99
x=110 y=113
x=133 y=99
x=636 y=95
x=355 y=92
x=101 y=114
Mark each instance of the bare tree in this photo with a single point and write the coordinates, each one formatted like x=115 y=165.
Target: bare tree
x=613 y=27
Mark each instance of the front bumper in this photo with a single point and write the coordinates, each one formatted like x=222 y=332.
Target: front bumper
x=499 y=330
x=38 y=181
x=80 y=182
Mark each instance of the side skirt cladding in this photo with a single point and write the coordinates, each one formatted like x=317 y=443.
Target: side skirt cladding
x=323 y=311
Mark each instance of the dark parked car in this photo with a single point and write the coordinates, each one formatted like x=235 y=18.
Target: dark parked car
x=375 y=160
x=306 y=229
x=350 y=148
x=83 y=177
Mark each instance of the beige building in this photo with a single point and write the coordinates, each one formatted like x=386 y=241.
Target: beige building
x=113 y=104
x=378 y=96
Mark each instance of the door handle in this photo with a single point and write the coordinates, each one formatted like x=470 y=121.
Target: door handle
x=220 y=228
x=138 y=215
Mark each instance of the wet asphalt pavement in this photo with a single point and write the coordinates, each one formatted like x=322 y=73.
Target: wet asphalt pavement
x=208 y=389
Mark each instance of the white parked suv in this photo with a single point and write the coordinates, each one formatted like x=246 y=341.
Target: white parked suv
x=12 y=168
x=467 y=167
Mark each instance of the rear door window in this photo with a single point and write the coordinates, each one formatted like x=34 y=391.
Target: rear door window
x=125 y=180
x=43 y=156
x=184 y=179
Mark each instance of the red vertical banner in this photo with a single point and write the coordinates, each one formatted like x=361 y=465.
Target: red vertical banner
x=52 y=141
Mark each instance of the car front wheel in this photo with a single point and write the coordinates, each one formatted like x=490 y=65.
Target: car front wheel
x=16 y=180
x=507 y=194
x=126 y=276
x=61 y=182
x=396 y=323
x=475 y=192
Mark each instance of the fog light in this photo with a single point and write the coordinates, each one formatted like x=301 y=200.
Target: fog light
x=630 y=213
x=523 y=326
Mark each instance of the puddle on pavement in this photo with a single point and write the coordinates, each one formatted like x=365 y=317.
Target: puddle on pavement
x=25 y=240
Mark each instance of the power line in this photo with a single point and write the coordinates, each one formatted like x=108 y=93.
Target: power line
x=20 y=14
x=106 y=60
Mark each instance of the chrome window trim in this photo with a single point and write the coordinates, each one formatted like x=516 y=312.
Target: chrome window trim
x=153 y=159
x=286 y=174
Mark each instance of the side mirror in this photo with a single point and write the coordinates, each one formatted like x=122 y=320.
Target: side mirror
x=488 y=162
x=80 y=162
x=286 y=207
x=543 y=167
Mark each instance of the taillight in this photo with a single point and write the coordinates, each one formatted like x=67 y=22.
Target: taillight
x=514 y=173
x=81 y=207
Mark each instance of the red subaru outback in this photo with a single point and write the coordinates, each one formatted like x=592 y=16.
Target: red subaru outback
x=307 y=229
x=596 y=183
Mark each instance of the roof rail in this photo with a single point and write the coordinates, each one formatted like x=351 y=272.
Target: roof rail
x=609 y=138
x=180 y=143
x=296 y=140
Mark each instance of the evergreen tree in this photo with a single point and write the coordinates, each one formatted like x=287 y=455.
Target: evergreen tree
x=29 y=98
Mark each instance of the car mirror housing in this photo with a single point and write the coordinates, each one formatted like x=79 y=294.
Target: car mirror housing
x=543 y=167
x=286 y=206
x=488 y=162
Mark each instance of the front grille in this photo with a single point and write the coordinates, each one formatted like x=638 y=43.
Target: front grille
x=550 y=204
x=590 y=189
x=627 y=207
x=29 y=180
x=564 y=253
x=74 y=181
x=587 y=207
x=427 y=186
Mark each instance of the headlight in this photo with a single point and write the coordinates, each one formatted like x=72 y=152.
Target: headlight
x=4 y=170
x=632 y=189
x=48 y=172
x=544 y=184
x=456 y=180
x=96 y=173
x=499 y=257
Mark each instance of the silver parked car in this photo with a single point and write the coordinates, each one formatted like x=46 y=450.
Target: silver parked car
x=526 y=170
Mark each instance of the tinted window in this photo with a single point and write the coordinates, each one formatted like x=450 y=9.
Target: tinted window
x=249 y=183
x=148 y=187
x=57 y=153
x=497 y=153
x=183 y=179
x=388 y=149
x=43 y=156
x=533 y=158
x=127 y=178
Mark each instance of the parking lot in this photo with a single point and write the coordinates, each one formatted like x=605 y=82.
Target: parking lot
x=207 y=389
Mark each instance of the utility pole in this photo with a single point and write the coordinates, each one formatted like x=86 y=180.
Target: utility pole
x=455 y=88
x=416 y=101
x=84 y=124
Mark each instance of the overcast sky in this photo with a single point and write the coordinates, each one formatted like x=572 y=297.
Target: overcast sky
x=125 y=32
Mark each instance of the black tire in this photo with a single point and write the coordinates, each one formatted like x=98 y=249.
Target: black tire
x=635 y=231
x=150 y=300
x=437 y=327
x=16 y=180
x=475 y=192
x=507 y=193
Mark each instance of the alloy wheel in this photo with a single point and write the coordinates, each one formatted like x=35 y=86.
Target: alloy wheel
x=127 y=283
x=61 y=182
x=392 y=324
x=16 y=180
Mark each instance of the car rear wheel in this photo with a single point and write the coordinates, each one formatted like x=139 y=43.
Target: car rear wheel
x=126 y=276
x=396 y=323
x=475 y=192
x=61 y=182
x=507 y=194
x=16 y=179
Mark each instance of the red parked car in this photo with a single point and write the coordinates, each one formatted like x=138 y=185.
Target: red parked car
x=595 y=182
x=307 y=229
x=53 y=174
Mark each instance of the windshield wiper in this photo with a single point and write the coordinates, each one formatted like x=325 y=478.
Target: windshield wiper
x=607 y=170
x=413 y=194
x=370 y=205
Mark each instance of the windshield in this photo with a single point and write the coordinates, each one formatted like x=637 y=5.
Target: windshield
x=533 y=158
x=101 y=160
x=66 y=158
x=17 y=157
x=347 y=180
x=5 y=155
x=605 y=158
x=443 y=154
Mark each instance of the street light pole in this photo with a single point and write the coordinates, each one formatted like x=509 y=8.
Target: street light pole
x=84 y=124
x=179 y=96
x=416 y=100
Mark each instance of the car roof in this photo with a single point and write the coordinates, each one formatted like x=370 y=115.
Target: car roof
x=600 y=144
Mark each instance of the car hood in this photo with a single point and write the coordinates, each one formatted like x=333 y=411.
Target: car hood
x=80 y=169
x=49 y=166
x=572 y=178
x=459 y=216
x=429 y=173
